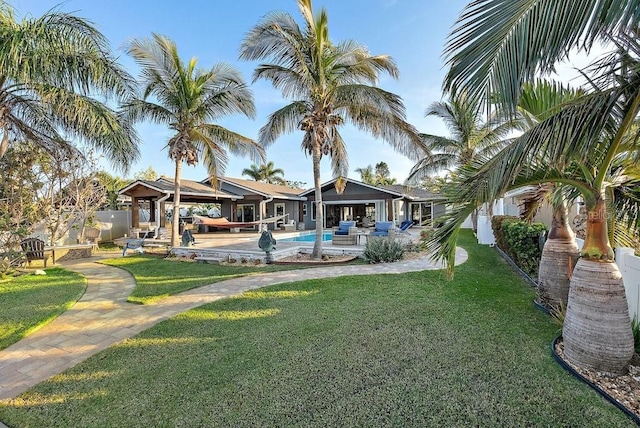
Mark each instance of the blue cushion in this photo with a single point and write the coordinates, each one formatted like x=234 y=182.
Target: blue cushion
x=383 y=226
x=346 y=224
x=380 y=233
x=340 y=232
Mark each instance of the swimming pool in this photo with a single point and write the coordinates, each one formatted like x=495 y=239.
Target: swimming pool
x=309 y=237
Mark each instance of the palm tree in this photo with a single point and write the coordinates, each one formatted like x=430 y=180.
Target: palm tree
x=366 y=175
x=188 y=100
x=472 y=138
x=52 y=69
x=265 y=173
x=580 y=146
x=496 y=46
x=383 y=175
x=329 y=84
x=540 y=100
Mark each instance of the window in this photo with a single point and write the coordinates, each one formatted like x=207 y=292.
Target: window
x=304 y=210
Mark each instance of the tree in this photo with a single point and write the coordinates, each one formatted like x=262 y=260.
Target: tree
x=539 y=101
x=52 y=71
x=296 y=184
x=366 y=175
x=383 y=175
x=112 y=184
x=188 y=100
x=149 y=174
x=471 y=138
x=265 y=173
x=498 y=45
x=329 y=84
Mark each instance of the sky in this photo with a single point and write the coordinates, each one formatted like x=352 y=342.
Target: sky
x=412 y=32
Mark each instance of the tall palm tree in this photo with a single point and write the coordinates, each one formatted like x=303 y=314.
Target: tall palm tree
x=329 y=84
x=188 y=100
x=471 y=137
x=496 y=46
x=52 y=71
x=267 y=173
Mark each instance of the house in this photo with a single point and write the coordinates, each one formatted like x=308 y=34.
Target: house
x=366 y=203
x=242 y=201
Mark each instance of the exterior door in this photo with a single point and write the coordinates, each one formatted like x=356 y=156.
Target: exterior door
x=246 y=213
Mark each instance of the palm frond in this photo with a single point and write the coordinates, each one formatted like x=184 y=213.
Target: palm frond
x=282 y=121
x=496 y=45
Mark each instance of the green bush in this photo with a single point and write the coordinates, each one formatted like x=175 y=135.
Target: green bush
x=382 y=249
x=496 y=225
x=521 y=240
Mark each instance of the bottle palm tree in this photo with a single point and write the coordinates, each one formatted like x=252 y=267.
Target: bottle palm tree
x=329 y=84
x=188 y=100
x=538 y=101
x=581 y=146
x=267 y=173
x=496 y=46
x=52 y=69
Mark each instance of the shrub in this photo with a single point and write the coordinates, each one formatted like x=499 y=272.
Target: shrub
x=382 y=249
x=496 y=225
x=521 y=239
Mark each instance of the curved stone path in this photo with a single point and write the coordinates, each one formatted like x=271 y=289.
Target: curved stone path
x=103 y=316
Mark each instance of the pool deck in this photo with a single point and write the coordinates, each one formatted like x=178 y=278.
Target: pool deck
x=220 y=245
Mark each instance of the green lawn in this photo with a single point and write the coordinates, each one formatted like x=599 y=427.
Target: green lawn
x=384 y=350
x=31 y=301
x=157 y=278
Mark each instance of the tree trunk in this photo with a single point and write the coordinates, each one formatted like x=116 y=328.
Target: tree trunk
x=175 y=224
x=559 y=256
x=317 y=246
x=597 y=327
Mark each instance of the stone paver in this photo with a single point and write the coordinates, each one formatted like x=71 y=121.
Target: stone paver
x=103 y=317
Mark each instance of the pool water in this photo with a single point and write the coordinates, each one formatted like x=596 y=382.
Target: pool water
x=311 y=237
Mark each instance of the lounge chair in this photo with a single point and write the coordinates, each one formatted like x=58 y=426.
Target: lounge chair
x=345 y=234
x=383 y=228
x=404 y=226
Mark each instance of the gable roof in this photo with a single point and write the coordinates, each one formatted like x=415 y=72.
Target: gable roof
x=264 y=189
x=412 y=193
x=331 y=183
x=187 y=187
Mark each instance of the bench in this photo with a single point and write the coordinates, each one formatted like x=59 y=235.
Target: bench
x=85 y=250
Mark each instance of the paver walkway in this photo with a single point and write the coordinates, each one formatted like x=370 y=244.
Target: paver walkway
x=103 y=317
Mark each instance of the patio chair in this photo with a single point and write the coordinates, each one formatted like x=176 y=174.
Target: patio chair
x=92 y=236
x=345 y=234
x=383 y=228
x=33 y=249
x=405 y=226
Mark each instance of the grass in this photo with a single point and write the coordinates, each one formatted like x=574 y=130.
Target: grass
x=157 y=278
x=380 y=350
x=28 y=302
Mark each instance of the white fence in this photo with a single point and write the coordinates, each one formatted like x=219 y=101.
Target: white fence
x=629 y=266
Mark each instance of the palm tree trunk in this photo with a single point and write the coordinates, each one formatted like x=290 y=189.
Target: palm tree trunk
x=4 y=143
x=317 y=246
x=597 y=327
x=175 y=224
x=559 y=256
